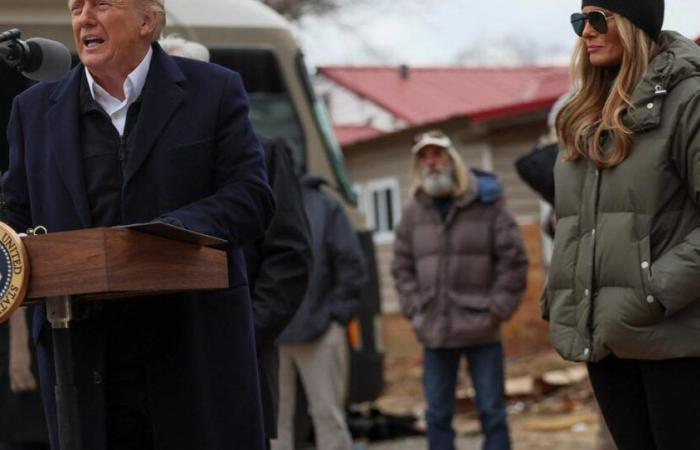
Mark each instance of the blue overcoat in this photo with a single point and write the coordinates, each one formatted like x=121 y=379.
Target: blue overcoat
x=196 y=159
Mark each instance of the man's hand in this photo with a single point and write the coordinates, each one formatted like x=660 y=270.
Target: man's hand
x=20 y=368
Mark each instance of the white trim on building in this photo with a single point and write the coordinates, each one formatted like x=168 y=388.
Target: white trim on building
x=380 y=201
x=486 y=157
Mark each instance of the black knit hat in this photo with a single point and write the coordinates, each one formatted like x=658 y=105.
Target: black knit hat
x=647 y=15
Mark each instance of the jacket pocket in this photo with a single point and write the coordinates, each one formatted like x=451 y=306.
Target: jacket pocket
x=189 y=150
x=653 y=309
x=418 y=316
x=476 y=303
x=423 y=299
x=470 y=315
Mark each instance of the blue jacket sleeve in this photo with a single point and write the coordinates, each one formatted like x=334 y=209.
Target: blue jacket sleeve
x=348 y=264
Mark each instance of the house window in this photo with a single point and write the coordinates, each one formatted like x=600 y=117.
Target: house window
x=381 y=204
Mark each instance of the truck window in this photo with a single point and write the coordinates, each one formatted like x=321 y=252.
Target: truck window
x=272 y=110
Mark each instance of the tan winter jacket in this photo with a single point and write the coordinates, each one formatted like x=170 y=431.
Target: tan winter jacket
x=459 y=279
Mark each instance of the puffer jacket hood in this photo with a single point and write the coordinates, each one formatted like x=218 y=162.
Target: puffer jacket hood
x=678 y=59
x=625 y=272
x=488 y=186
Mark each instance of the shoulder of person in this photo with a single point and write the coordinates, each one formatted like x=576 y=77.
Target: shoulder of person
x=412 y=206
x=678 y=63
x=687 y=89
x=489 y=186
x=413 y=210
x=208 y=72
x=42 y=92
x=276 y=149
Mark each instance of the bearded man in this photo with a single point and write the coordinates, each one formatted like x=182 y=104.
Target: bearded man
x=132 y=135
x=460 y=271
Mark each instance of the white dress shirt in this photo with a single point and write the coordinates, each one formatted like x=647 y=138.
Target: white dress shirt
x=133 y=85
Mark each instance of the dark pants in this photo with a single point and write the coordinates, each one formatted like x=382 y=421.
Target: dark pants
x=127 y=416
x=649 y=405
x=128 y=424
x=440 y=378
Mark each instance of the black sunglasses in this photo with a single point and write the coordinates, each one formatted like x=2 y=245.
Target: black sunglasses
x=597 y=19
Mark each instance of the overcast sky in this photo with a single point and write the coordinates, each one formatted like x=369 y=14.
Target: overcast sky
x=448 y=32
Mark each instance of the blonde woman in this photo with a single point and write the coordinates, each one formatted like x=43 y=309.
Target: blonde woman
x=625 y=281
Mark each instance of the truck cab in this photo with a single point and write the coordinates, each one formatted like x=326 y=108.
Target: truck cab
x=245 y=36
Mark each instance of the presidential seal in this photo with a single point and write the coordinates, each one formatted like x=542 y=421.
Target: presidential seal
x=14 y=271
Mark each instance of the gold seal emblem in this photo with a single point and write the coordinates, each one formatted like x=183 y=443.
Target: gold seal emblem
x=14 y=271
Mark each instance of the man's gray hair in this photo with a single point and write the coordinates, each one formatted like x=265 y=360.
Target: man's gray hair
x=176 y=46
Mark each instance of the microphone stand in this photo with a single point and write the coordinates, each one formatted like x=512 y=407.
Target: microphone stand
x=10 y=35
x=13 y=54
x=6 y=53
x=10 y=54
x=59 y=315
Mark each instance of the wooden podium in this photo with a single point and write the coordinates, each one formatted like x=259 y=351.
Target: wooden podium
x=104 y=264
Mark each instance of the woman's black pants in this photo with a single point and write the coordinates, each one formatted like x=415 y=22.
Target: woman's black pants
x=649 y=405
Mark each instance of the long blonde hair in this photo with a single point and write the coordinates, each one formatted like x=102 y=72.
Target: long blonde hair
x=603 y=97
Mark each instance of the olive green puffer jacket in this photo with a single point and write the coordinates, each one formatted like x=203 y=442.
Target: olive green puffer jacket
x=625 y=274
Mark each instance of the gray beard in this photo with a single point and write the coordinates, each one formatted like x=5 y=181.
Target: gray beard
x=438 y=184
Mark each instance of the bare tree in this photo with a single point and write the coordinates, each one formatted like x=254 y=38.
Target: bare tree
x=294 y=9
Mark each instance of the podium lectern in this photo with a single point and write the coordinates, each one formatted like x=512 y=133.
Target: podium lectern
x=103 y=264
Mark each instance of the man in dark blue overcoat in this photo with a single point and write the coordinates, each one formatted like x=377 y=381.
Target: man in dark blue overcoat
x=134 y=135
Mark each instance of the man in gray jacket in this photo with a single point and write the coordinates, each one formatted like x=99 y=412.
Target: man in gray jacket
x=314 y=343
x=460 y=270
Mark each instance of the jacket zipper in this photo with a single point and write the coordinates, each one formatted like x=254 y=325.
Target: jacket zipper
x=122 y=154
x=591 y=289
x=122 y=165
x=442 y=269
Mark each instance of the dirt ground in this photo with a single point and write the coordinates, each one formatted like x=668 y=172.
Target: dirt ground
x=550 y=405
x=562 y=440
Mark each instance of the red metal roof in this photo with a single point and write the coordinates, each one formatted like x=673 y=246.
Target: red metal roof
x=348 y=134
x=430 y=95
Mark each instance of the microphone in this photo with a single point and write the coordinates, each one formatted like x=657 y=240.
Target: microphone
x=38 y=59
x=46 y=60
x=10 y=35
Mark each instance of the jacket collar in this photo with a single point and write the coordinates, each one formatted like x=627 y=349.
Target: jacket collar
x=161 y=97
x=63 y=140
